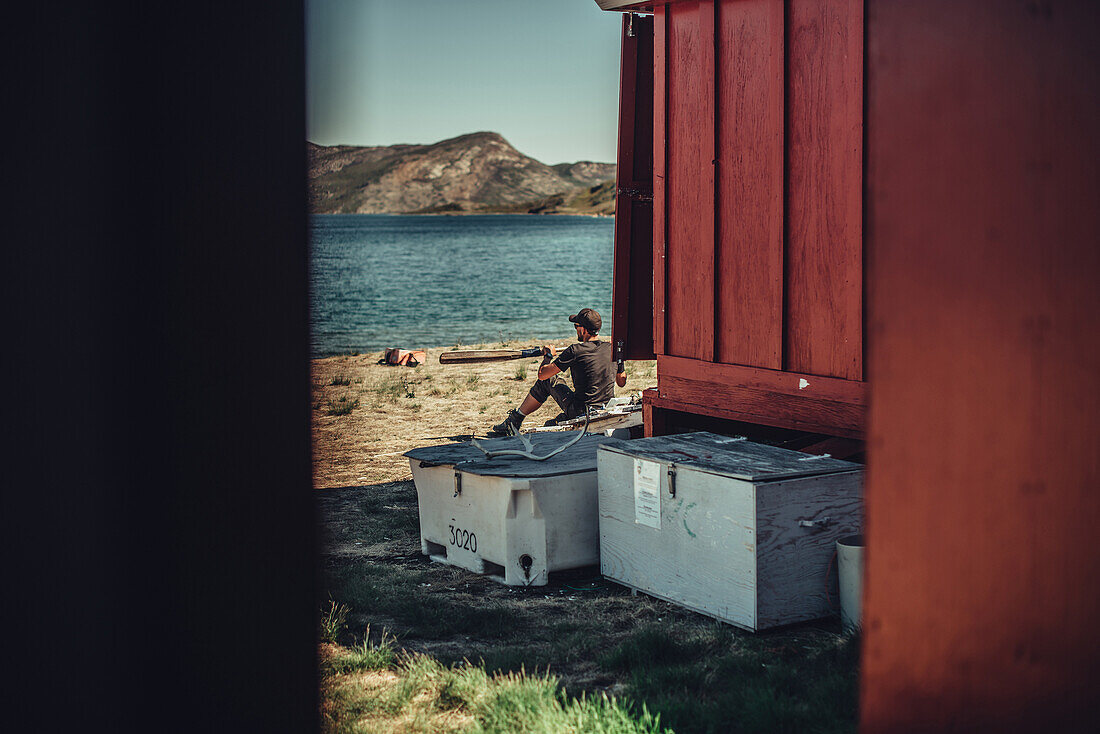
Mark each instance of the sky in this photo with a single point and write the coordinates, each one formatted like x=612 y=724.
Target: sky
x=542 y=73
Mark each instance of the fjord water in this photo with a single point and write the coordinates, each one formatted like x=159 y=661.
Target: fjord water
x=382 y=281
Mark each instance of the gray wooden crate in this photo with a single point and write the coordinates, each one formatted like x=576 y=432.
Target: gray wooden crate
x=737 y=530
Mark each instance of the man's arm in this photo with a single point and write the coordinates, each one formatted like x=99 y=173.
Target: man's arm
x=547 y=369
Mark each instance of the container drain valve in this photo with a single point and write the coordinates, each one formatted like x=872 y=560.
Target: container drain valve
x=525 y=562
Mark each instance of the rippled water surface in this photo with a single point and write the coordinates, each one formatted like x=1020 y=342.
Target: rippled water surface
x=401 y=281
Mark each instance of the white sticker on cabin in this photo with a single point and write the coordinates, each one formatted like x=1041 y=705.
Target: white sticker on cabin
x=647 y=493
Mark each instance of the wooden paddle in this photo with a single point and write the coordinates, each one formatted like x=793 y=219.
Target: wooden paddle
x=488 y=355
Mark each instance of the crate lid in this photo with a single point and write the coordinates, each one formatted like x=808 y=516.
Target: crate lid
x=732 y=457
x=580 y=457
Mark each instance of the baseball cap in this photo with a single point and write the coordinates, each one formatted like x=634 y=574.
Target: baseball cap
x=589 y=318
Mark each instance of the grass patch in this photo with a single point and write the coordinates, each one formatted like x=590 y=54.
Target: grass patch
x=395 y=592
x=450 y=388
x=395 y=387
x=341 y=406
x=333 y=621
x=421 y=695
x=376 y=517
x=718 y=682
x=367 y=655
x=340 y=380
x=700 y=676
x=520 y=374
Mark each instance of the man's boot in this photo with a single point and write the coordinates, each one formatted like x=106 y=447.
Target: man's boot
x=509 y=426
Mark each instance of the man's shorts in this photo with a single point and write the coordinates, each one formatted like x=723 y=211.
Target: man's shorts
x=556 y=387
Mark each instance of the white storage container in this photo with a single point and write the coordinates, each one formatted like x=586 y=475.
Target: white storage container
x=510 y=517
x=737 y=530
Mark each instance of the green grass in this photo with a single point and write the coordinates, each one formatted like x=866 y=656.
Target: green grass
x=367 y=655
x=520 y=374
x=427 y=696
x=334 y=619
x=340 y=380
x=396 y=592
x=701 y=676
x=717 y=681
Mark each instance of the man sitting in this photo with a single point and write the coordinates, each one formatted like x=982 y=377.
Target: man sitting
x=590 y=363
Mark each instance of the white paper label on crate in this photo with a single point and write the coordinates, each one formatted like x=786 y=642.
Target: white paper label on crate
x=647 y=493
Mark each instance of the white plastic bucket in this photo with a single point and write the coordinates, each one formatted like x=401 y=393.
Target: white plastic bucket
x=849 y=554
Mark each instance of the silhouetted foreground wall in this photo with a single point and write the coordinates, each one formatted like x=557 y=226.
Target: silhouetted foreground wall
x=159 y=531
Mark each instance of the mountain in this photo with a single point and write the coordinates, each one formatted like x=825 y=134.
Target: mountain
x=480 y=172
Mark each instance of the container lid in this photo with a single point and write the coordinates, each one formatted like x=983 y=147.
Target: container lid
x=580 y=457
x=731 y=457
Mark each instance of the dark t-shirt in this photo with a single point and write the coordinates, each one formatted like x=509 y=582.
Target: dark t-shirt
x=591 y=366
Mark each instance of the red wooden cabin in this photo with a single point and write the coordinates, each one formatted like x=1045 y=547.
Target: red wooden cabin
x=825 y=200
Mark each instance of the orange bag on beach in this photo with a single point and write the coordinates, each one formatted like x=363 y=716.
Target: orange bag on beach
x=406 y=357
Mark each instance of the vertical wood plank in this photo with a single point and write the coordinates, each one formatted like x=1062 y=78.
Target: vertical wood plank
x=824 y=262
x=660 y=198
x=750 y=183
x=690 y=181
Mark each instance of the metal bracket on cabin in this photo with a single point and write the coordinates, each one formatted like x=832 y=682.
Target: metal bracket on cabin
x=458 y=482
x=820 y=524
x=672 y=479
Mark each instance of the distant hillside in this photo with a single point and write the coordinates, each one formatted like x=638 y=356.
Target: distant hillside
x=475 y=173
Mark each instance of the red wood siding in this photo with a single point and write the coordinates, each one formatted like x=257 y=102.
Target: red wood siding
x=981 y=605
x=758 y=176
x=750 y=182
x=785 y=399
x=824 y=323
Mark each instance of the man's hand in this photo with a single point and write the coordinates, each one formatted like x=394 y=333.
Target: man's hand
x=547 y=369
